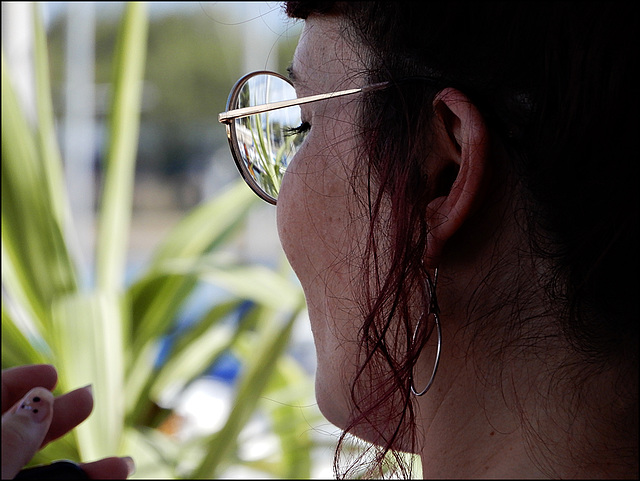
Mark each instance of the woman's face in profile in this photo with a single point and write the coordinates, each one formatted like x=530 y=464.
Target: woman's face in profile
x=322 y=227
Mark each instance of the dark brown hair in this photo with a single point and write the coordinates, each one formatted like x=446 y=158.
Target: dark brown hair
x=555 y=84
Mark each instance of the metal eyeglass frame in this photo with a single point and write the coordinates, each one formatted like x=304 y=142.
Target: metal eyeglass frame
x=230 y=115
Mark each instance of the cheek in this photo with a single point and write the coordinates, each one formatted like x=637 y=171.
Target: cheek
x=320 y=234
x=313 y=216
x=315 y=203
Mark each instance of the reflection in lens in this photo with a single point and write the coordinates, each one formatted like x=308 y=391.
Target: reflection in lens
x=266 y=141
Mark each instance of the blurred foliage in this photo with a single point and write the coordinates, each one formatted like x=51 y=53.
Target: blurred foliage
x=109 y=332
x=193 y=59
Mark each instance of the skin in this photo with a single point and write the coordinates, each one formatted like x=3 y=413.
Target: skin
x=315 y=213
x=471 y=423
x=23 y=434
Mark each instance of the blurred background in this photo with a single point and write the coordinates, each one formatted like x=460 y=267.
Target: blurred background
x=195 y=53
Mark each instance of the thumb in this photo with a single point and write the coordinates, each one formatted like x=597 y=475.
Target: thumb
x=24 y=427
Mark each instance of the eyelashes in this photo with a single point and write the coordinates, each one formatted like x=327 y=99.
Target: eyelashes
x=303 y=128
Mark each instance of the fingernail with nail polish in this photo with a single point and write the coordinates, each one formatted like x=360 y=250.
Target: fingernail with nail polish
x=36 y=405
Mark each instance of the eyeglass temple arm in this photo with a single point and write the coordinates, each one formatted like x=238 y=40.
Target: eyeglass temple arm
x=230 y=115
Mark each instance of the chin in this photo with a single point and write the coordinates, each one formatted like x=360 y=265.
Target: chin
x=337 y=409
x=331 y=400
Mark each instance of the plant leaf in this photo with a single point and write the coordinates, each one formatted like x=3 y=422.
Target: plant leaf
x=16 y=348
x=87 y=338
x=32 y=239
x=115 y=208
x=268 y=348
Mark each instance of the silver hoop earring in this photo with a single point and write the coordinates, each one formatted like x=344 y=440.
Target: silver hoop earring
x=433 y=310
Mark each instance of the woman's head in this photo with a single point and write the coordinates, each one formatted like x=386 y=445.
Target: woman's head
x=500 y=153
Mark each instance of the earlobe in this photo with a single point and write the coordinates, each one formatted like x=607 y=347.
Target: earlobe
x=462 y=147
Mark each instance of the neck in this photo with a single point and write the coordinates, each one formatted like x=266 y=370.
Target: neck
x=468 y=429
x=478 y=430
x=521 y=404
x=512 y=398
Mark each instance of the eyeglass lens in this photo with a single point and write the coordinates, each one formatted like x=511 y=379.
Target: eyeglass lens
x=265 y=143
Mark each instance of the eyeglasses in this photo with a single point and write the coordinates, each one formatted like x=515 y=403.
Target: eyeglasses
x=265 y=128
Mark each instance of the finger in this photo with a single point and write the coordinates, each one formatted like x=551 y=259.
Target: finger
x=16 y=381
x=109 y=468
x=23 y=428
x=69 y=410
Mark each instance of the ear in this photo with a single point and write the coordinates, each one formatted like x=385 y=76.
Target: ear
x=457 y=170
